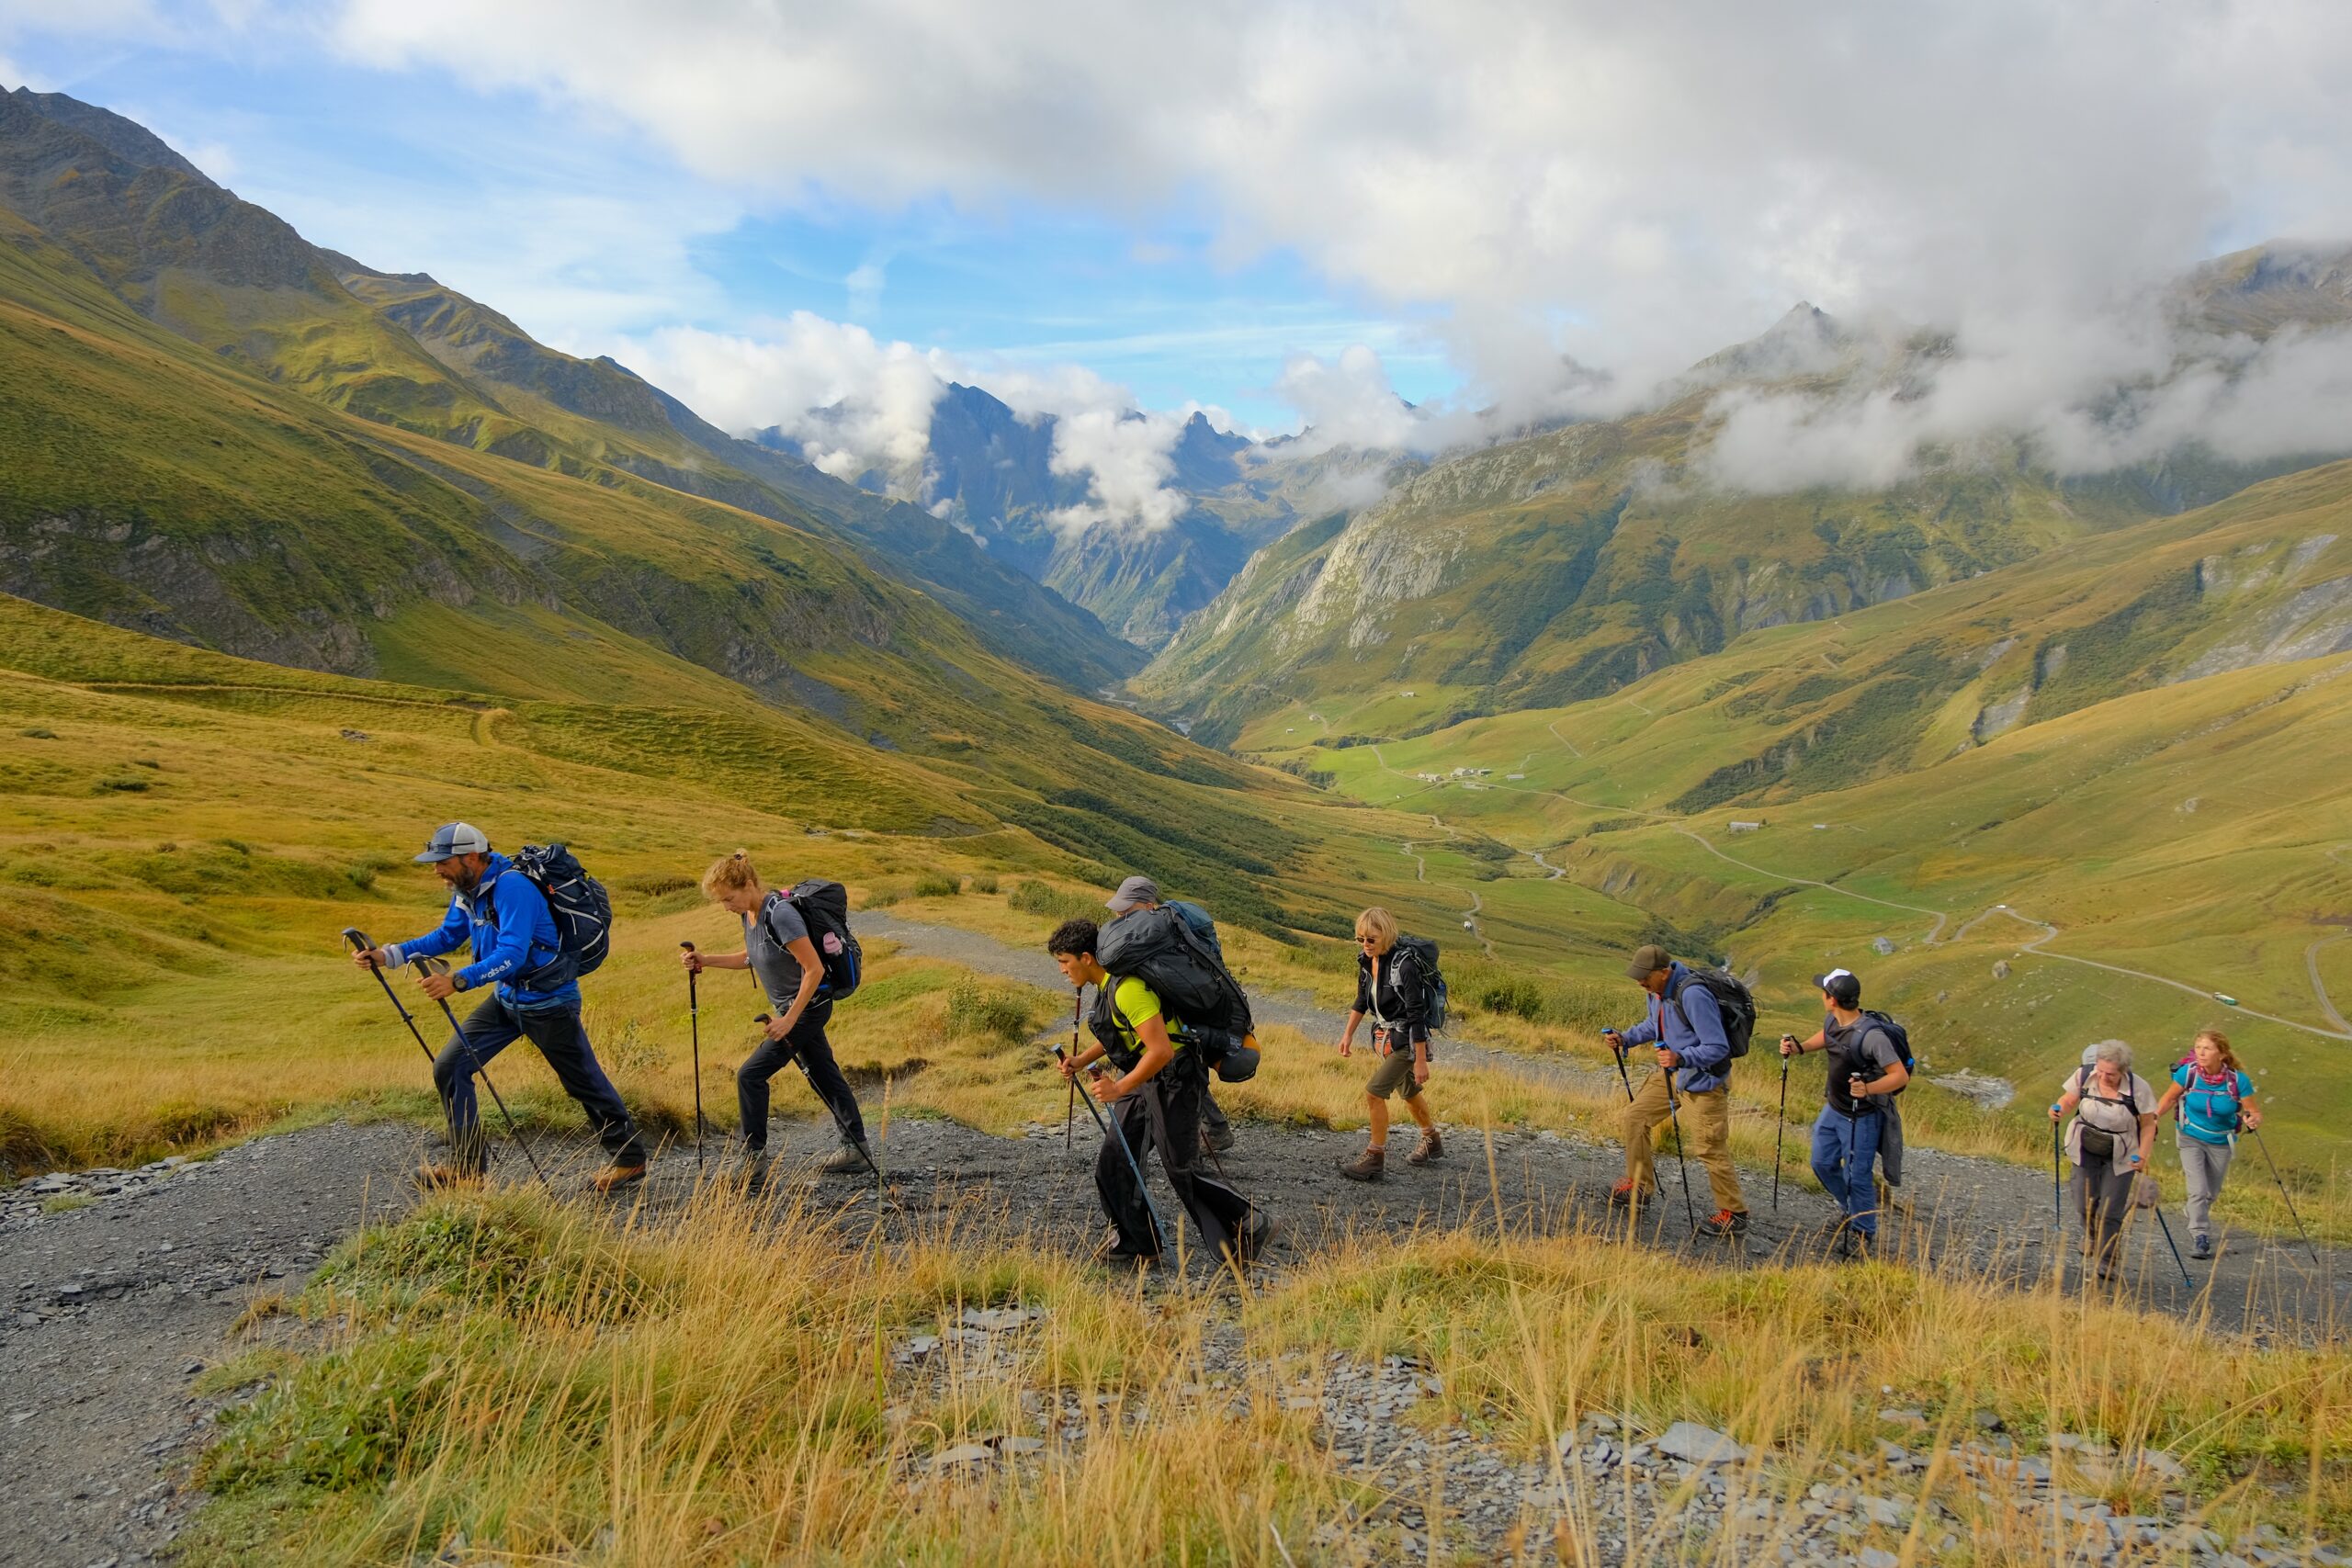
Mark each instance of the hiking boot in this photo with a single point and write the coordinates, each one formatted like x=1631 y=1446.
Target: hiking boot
x=1725 y=1223
x=745 y=1164
x=1430 y=1147
x=2201 y=1247
x=1369 y=1166
x=1622 y=1195
x=616 y=1176
x=1217 y=1143
x=850 y=1159
x=1856 y=1245
x=447 y=1178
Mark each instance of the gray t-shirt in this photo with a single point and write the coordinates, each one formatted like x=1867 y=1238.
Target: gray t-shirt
x=1863 y=1049
x=778 y=926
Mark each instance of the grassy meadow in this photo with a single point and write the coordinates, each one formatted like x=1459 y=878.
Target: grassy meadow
x=499 y=1374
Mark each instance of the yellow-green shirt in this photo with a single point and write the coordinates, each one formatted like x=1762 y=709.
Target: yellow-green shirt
x=1132 y=1003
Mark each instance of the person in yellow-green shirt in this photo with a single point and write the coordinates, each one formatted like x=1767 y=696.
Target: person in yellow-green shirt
x=1155 y=1102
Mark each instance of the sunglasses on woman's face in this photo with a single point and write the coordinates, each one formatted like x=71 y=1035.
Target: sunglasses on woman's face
x=1366 y=941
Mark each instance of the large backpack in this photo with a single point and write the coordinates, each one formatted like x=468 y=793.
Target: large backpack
x=1423 y=953
x=1161 y=948
x=1732 y=999
x=823 y=907
x=583 y=909
x=1198 y=918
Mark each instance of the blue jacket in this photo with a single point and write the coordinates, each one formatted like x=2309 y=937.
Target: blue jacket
x=1694 y=1030
x=507 y=920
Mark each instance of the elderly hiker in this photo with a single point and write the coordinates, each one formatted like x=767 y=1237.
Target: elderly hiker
x=1686 y=1024
x=1393 y=992
x=2113 y=1128
x=534 y=995
x=1154 y=1103
x=2214 y=1100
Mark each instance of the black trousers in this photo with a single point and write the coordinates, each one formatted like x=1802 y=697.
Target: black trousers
x=816 y=1053
x=1165 y=1115
x=1212 y=1120
x=493 y=1026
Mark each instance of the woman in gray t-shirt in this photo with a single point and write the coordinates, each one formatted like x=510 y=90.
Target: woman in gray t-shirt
x=778 y=952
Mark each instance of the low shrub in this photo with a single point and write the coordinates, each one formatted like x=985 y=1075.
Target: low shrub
x=937 y=885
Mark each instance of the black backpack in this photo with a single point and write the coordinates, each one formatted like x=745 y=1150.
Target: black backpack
x=1161 y=948
x=583 y=909
x=1732 y=999
x=1423 y=953
x=823 y=907
x=1896 y=1036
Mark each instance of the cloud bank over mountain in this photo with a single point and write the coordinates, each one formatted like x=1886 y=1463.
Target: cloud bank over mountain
x=1580 y=186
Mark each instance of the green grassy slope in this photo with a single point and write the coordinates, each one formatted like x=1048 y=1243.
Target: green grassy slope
x=1566 y=565
x=401 y=350
x=2164 y=797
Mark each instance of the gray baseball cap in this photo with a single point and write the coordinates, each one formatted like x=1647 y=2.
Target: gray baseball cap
x=454 y=838
x=1133 y=894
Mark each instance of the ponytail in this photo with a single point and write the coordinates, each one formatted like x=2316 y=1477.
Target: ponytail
x=729 y=873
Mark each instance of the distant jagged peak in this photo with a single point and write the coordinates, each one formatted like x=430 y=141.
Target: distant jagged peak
x=1805 y=340
x=126 y=138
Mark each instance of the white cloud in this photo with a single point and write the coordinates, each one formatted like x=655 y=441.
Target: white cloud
x=1631 y=186
x=860 y=406
x=864 y=285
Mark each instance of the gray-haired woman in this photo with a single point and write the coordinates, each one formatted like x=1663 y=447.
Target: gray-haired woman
x=2114 y=1128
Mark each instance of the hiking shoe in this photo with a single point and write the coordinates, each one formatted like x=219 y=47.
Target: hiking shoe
x=1857 y=1246
x=447 y=1178
x=746 y=1165
x=1430 y=1147
x=848 y=1160
x=1217 y=1143
x=2201 y=1247
x=616 y=1176
x=1369 y=1166
x=1725 y=1223
x=1622 y=1195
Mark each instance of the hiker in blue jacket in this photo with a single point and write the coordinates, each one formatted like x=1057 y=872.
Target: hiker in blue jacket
x=496 y=911
x=2215 y=1102
x=1694 y=1051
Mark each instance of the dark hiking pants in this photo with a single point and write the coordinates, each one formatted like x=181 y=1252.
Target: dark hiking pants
x=493 y=1026
x=808 y=1042
x=2103 y=1198
x=1165 y=1115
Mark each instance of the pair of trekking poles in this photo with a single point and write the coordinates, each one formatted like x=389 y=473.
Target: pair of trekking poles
x=1673 y=1115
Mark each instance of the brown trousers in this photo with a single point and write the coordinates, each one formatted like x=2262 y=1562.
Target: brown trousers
x=1706 y=1134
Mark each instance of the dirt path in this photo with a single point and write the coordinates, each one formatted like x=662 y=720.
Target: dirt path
x=2319 y=985
x=115 y=1308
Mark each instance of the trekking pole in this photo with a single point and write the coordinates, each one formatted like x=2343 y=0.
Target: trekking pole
x=2285 y=1194
x=358 y=940
x=1779 y=1132
x=694 y=1022
x=1619 y=1047
x=1110 y=1129
x=839 y=1125
x=1681 y=1161
x=1070 y=1101
x=2164 y=1224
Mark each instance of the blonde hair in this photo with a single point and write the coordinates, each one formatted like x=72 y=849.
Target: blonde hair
x=2222 y=1043
x=729 y=873
x=1378 y=924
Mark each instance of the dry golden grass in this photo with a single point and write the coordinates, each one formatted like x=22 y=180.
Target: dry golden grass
x=530 y=1379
